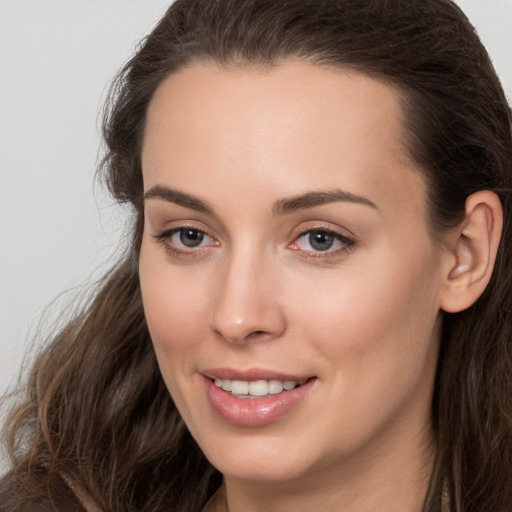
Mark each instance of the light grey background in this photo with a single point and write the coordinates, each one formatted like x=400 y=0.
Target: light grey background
x=57 y=58
x=57 y=229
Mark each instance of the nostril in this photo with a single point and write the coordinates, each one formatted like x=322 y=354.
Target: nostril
x=257 y=334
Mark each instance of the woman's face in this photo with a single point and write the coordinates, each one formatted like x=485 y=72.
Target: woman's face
x=286 y=246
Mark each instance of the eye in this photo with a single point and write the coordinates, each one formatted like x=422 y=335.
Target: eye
x=189 y=237
x=322 y=241
x=185 y=240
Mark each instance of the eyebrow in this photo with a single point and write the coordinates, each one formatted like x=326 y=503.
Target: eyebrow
x=179 y=198
x=281 y=207
x=312 y=199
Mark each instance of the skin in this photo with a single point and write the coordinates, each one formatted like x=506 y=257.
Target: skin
x=363 y=317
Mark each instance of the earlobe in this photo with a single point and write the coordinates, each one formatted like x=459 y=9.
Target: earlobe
x=474 y=251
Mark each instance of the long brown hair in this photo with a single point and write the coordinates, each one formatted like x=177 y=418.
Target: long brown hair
x=97 y=413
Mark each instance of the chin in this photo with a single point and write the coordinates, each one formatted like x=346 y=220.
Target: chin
x=264 y=471
x=247 y=457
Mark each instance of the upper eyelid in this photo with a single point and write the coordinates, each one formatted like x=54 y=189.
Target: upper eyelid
x=158 y=214
x=178 y=225
x=165 y=233
x=321 y=229
x=161 y=222
x=294 y=236
x=307 y=227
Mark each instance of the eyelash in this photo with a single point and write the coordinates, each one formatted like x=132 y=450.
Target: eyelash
x=347 y=244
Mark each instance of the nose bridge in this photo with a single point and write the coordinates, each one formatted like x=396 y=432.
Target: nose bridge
x=246 y=302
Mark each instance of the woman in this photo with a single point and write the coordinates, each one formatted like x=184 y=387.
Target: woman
x=314 y=313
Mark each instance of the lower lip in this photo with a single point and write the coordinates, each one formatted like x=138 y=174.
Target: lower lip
x=254 y=412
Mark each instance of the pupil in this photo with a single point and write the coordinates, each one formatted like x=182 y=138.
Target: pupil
x=320 y=240
x=191 y=237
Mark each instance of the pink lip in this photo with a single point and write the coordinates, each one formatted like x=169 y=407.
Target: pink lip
x=253 y=412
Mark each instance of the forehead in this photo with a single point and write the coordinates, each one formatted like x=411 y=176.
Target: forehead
x=293 y=126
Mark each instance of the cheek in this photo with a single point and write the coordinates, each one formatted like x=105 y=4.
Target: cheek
x=175 y=311
x=174 y=306
x=361 y=305
x=375 y=344
x=375 y=325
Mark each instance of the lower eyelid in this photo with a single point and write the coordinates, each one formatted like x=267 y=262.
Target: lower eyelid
x=337 y=252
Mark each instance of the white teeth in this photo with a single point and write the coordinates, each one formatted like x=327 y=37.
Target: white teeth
x=226 y=385
x=289 y=384
x=240 y=387
x=275 y=387
x=257 y=387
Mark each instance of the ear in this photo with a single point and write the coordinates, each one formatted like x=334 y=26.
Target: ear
x=473 y=249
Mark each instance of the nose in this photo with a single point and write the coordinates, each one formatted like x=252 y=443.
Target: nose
x=247 y=301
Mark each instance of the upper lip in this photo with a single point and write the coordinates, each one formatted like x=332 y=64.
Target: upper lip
x=252 y=374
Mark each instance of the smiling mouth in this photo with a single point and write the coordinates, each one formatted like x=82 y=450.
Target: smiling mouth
x=256 y=401
x=257 y=388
